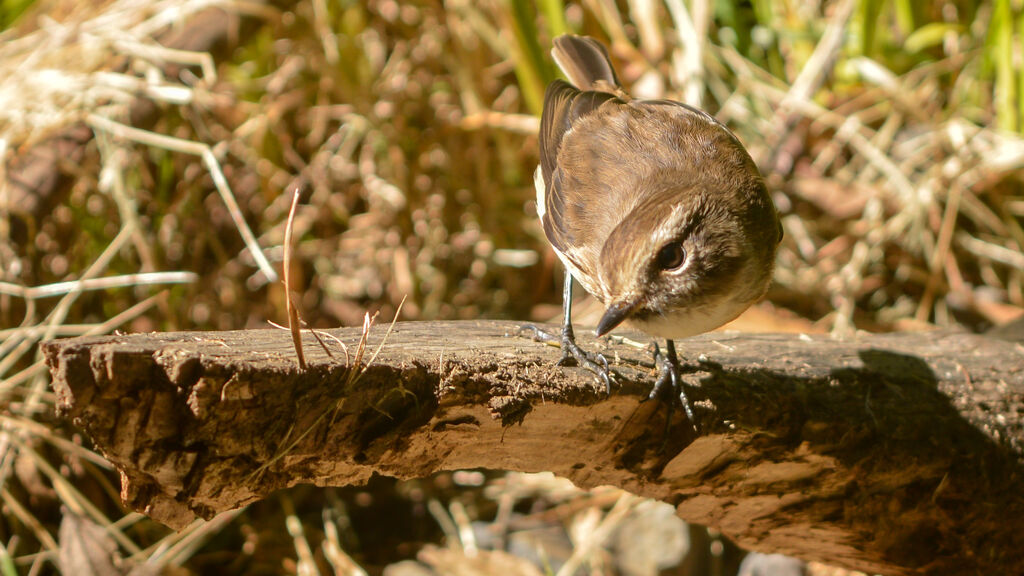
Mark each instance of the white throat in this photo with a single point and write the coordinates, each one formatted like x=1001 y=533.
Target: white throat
x=686 y=322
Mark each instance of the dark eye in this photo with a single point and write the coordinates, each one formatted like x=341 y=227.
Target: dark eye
x=671 y=256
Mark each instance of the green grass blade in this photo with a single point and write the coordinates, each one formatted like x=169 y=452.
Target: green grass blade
x=554 y=14
x=1001 y=54
x=532 y=68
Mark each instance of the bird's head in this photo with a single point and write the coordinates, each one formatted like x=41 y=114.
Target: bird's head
x=687 y=248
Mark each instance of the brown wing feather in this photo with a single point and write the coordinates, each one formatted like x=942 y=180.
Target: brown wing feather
x=555 y=121
x=585 y=61
x=564 y=105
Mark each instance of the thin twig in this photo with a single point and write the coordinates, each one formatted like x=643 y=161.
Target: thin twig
x=293 y=313
x=105 y=283
x=202 y=150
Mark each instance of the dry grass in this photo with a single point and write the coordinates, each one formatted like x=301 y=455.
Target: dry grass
x=891 y=140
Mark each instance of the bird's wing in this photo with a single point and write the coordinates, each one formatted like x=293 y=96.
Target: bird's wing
x=585 y=61
x=563 y=106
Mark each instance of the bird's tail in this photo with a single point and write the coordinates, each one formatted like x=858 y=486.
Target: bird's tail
x=585 y=61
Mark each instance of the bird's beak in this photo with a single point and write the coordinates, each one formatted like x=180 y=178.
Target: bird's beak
x=614 y=316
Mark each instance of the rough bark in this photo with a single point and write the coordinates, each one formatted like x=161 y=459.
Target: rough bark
x=892 y=454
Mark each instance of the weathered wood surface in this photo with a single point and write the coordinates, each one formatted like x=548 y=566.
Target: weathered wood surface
x=894 y=454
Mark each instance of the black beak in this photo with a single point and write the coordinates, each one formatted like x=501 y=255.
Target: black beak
x=614 y=316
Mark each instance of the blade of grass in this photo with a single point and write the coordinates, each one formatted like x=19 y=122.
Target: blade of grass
x=293 y=313
x=24 y=516
x=905 y=20
x=72 y=497
x=104 y=283
x=7 y=567
x=178 y=547
x=532 y=69
x=1000 y=51
x=98 y=122
x=303 y=551
x=869 y=17
x=554 y=14
x=342 y=563
x=1018 y=39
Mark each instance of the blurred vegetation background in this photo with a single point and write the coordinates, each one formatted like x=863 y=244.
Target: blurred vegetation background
x=141 y=140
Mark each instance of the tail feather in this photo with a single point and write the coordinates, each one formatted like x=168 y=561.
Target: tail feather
x=585 y=62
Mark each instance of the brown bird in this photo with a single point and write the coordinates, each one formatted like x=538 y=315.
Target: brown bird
x=653 y=206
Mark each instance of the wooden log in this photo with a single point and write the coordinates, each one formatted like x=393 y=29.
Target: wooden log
x=892 y=454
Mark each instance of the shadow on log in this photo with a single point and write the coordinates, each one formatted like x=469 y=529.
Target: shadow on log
x=893 y=454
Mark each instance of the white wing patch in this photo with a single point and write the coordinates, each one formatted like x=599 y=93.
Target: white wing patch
x=541 y=189
x=538 y=184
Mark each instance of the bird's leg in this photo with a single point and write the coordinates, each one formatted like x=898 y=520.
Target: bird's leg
x=668 y=366
x=595 y=362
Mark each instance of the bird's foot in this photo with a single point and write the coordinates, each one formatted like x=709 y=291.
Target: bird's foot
x=537 y=334
x=593 y=361
x=571 y=352
x=669 y=374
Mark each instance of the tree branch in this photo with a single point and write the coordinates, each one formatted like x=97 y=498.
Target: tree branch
x=892 y=454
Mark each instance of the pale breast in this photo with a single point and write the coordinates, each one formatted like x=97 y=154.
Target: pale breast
x=686 y=322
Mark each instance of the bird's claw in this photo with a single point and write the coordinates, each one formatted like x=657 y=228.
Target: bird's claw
x=571 y=351
x=595 y=362
x=669 y=375
x=536 y=334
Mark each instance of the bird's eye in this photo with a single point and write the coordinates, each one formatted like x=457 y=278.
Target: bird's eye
x=671 y=256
